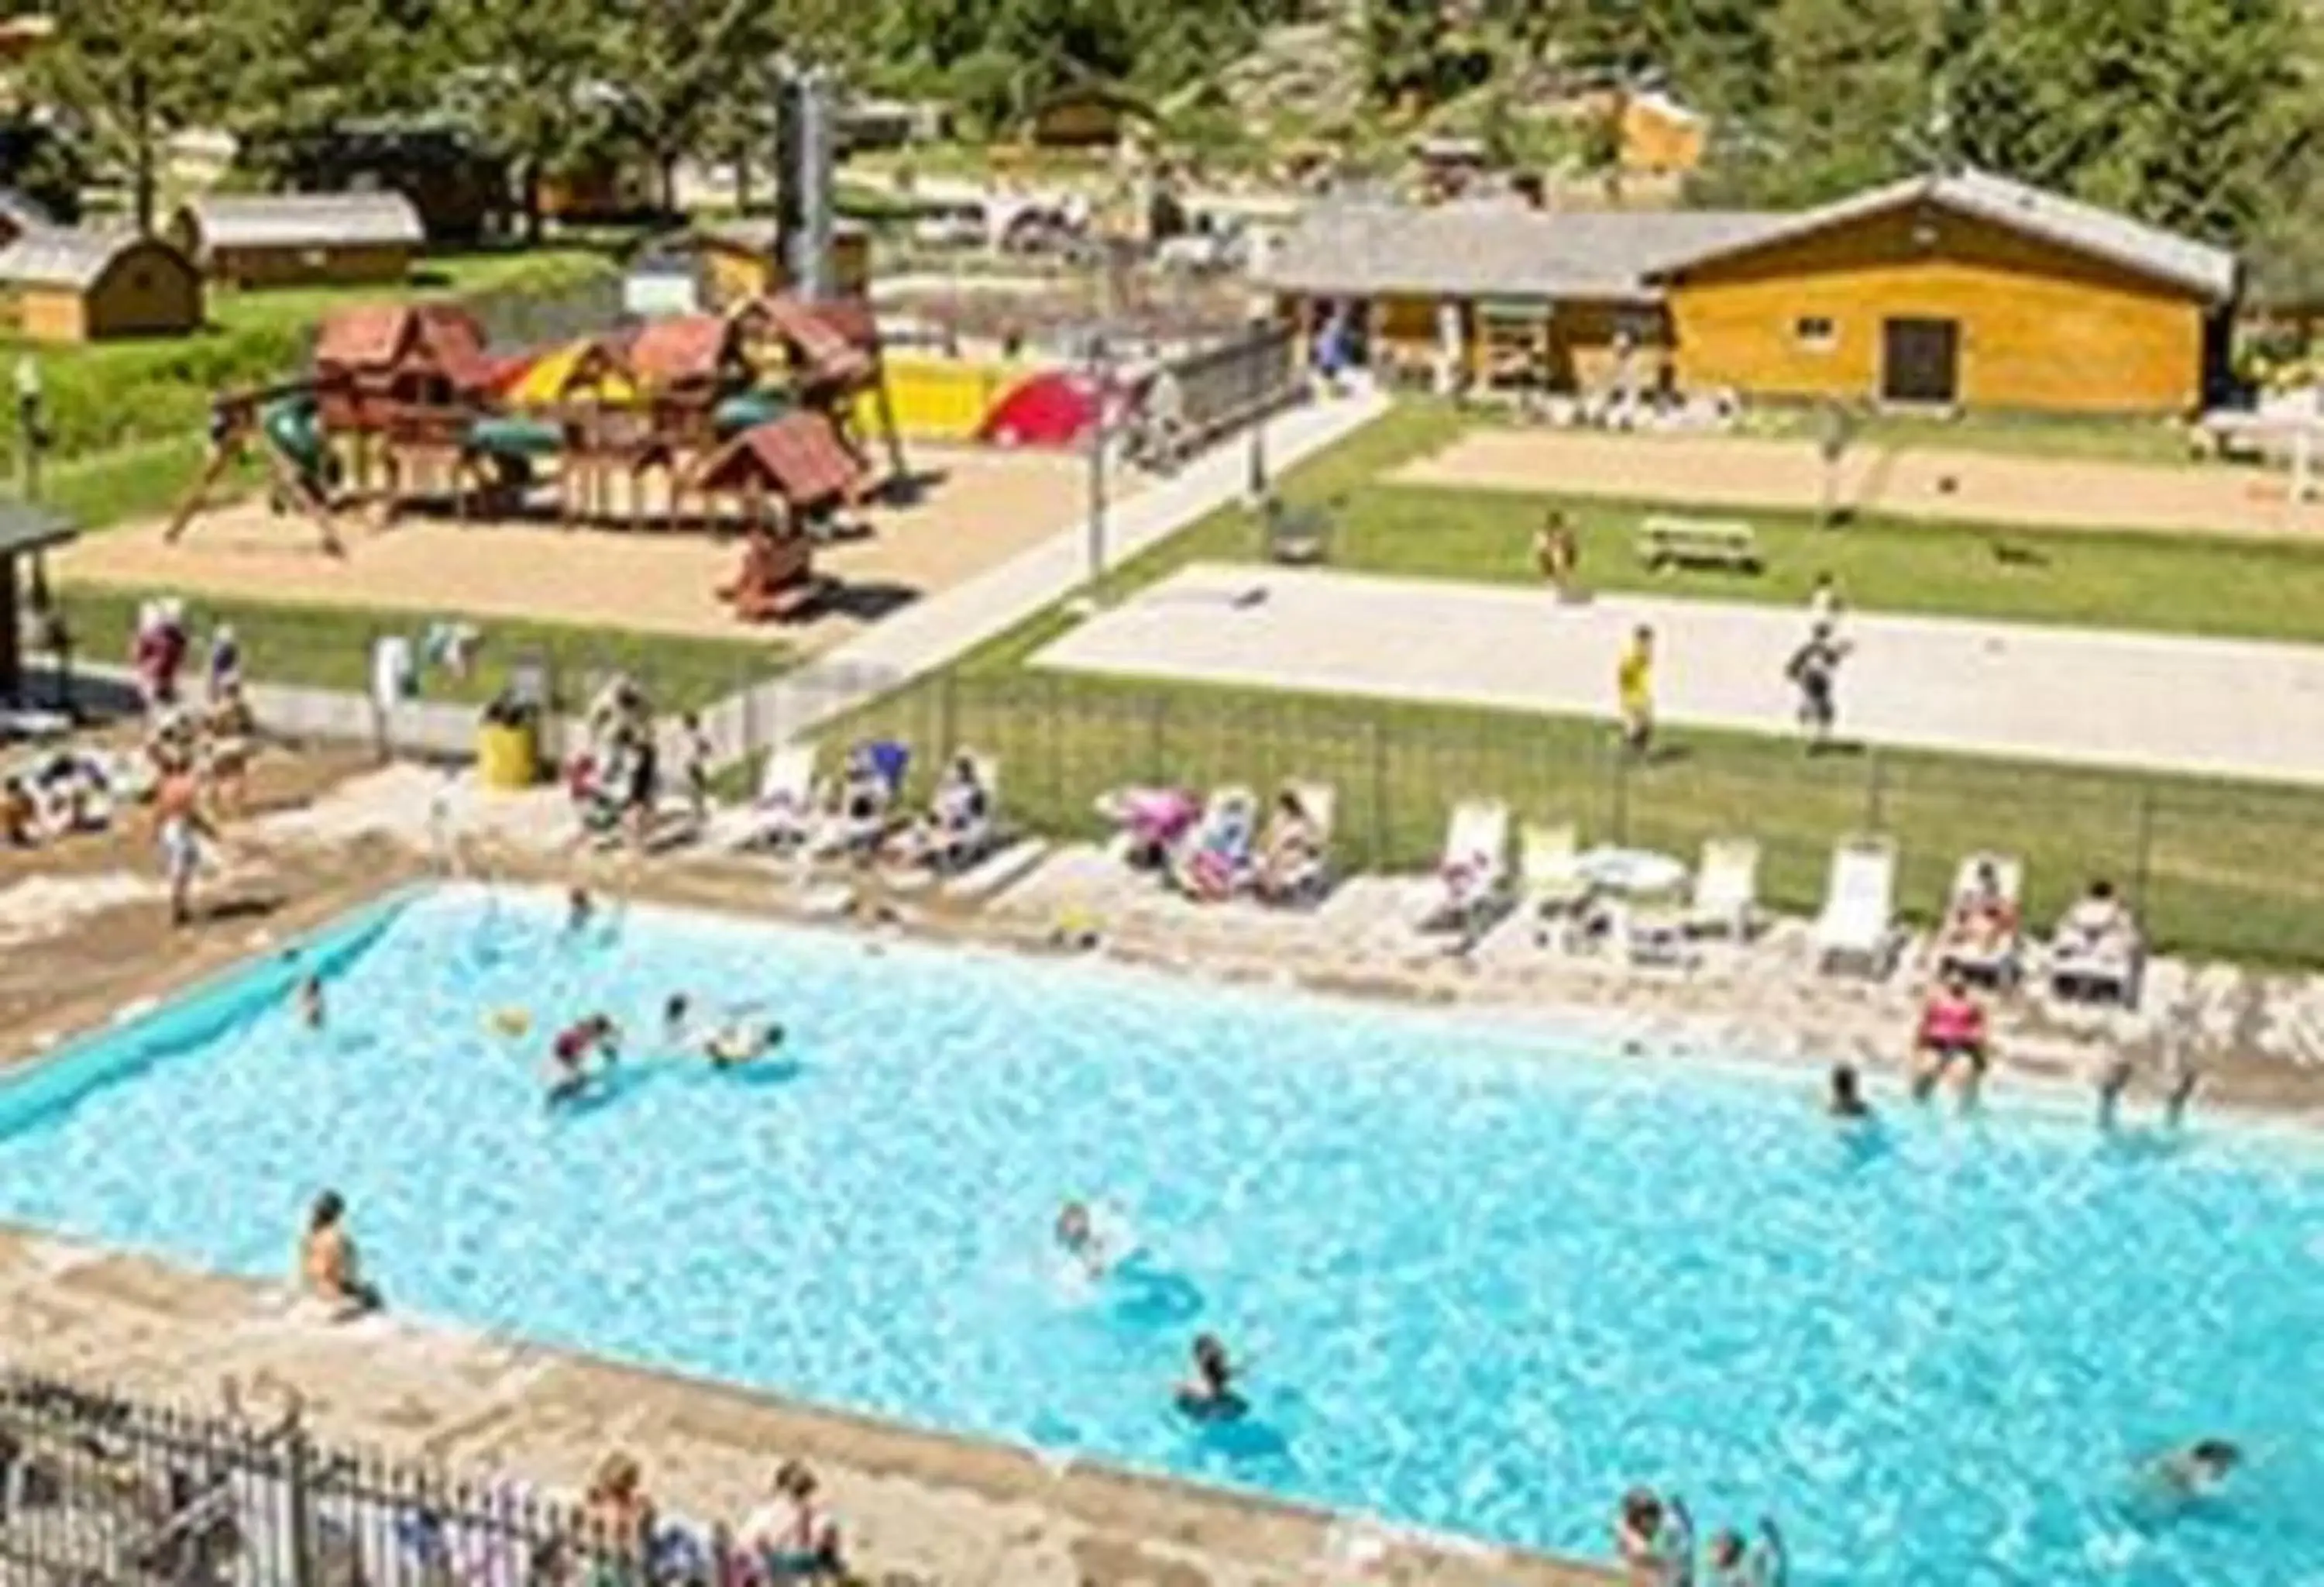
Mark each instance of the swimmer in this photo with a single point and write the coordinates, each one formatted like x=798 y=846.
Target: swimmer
x=1208 y=1394
x=2200 y=1468
x=2113 y=1081
x=1735 y=1563
x=735 y=1044
x=674 y=1011
x=1845 y=1097
x=1638 y=1524
x=310 y=1003
x=1077 y=1237
x=2184 y=1078
x=569 y=1055
x=579 y=908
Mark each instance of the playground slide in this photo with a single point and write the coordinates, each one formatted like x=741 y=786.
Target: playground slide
x=294 y=427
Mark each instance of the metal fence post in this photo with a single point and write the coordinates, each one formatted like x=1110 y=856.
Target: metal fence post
x=2142 y=862
x=298 y=1482
x=1875 y=789
x=1381 y=826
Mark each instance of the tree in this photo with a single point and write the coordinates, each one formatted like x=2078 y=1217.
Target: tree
x=533 y=81
x=690 y=69
x=299 y=67
x=1848 y=103
x=133 y=72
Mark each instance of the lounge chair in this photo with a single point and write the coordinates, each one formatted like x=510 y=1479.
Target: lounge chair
x=955 y=839
x=2098 y=953
x=1858 y=925
x=1726 y=898
x=1993 y=958
x=782 y=816
x=1213 y=860
x=1474 y=869
x=1550 y=878
x=1310 y=879
x=875 y=781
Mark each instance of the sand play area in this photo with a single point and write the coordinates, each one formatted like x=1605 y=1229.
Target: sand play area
x=1906 y=482
x=979 y=508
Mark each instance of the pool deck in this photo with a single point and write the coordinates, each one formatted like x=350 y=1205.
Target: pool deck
x=923 y=1507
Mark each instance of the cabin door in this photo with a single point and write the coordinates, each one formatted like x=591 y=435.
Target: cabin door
x=1920 y=362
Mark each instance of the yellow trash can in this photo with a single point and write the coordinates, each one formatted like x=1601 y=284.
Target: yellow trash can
x=508 y=754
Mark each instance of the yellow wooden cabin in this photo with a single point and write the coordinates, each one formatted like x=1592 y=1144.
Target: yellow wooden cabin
x=71 y=285
x=1949 y=291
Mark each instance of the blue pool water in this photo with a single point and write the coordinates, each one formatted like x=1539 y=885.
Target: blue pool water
x=1488 y=1278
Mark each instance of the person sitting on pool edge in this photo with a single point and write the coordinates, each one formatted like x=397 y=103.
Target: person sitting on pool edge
x=568 y=1055
x=1952 y=1031
x=1208 y=1394
x=328 y=1264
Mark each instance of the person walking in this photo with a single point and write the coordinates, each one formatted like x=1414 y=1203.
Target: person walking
x=1814 y=671
x=1634 y=686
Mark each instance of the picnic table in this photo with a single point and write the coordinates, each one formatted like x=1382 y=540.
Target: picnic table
x=1668 y=541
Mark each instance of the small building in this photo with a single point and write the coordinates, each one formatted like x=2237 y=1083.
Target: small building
x=1086 y=114
x=71 y=285
x=286 y=239
x=715 y=267
x=376 y=359
x=460 y=189
x=26 y=531
x=1957 y=289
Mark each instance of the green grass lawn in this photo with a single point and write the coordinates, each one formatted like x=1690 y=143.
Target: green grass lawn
x=326 y=647
x=437 y=275
x=2218 y=868
x=2192 y=583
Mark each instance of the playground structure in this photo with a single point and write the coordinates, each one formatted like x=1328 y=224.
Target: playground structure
x=752 y=420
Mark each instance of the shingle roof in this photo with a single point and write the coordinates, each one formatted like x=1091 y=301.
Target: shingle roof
x=304 y=220
x=684 y=347
x=799 y=454
x=2069 y=223
x=60 y=256
x=1496 y=250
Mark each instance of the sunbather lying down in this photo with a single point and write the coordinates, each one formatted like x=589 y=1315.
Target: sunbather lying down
x=957 y=818
x=1290 y=849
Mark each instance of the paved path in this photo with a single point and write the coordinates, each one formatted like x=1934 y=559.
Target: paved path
x=930 y=633
x=2225 y=708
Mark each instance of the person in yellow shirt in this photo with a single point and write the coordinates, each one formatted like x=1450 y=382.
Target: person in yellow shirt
x=1634 y=683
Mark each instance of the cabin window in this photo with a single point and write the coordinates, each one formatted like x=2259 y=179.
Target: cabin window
x=315 y=258
x=1815 y=332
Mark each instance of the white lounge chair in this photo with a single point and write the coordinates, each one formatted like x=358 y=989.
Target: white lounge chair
x=1998 y=961
x=1550 y=878
x=1858 y=925
x=965 y=842
x=1726 y=898
x=1308 y=882
x=782 y=813
x=1474 y=869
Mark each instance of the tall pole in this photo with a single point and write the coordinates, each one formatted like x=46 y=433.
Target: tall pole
x=1257 y=358
x=1100 y=383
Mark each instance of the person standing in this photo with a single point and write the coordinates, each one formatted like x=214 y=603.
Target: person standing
x=1557 y=553
x=1634 y=685
x=1825 y=602
x=180 y=828
x=1814 y=671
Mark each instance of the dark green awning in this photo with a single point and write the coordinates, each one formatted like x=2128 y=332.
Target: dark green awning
x=26 y=528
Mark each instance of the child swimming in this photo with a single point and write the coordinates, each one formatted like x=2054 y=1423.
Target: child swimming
x=569 y=1074
x=736 y=1043
x=308 y=1000
x=1208 y=1394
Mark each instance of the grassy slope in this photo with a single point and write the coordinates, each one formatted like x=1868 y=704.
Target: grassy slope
x=329 y=648
x=2224 y=868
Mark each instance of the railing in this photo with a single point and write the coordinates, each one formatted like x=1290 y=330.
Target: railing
x=99 y=1489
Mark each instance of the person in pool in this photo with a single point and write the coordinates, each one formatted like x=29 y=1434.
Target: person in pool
x=1077 y=1237
x=1640 y=1521
x=1734 y=1562
x=676 y=1011
x=569 y=1074
x=579 y=908
x=310 y=1003
x=739 y=1042
x=328 y=1264
x=1208 y=1394
x=2199 y=1468
x=1844 y=1099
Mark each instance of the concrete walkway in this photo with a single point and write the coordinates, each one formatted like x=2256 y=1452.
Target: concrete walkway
x=931 y=633
x=2228 y=708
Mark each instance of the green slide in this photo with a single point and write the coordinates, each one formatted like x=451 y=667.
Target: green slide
x=294 y=426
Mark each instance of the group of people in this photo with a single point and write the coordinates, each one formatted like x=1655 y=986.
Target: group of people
x=616 y=781
x=1221 y=856
x=1654 y=1537
x=789 y=1536
x=1208 y=1392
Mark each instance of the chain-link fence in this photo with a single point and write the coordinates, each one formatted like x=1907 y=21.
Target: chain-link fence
x=2225 y=869
x=97 y=1489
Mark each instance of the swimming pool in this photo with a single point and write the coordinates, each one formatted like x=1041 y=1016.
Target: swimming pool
x=1488 y=1276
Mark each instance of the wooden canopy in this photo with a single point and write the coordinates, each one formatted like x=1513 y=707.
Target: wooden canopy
x=799 y=458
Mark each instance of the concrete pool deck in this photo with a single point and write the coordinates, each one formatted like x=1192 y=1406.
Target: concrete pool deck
x=2148 y=702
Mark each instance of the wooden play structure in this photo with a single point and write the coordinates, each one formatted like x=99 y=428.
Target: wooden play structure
x=750 y=422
